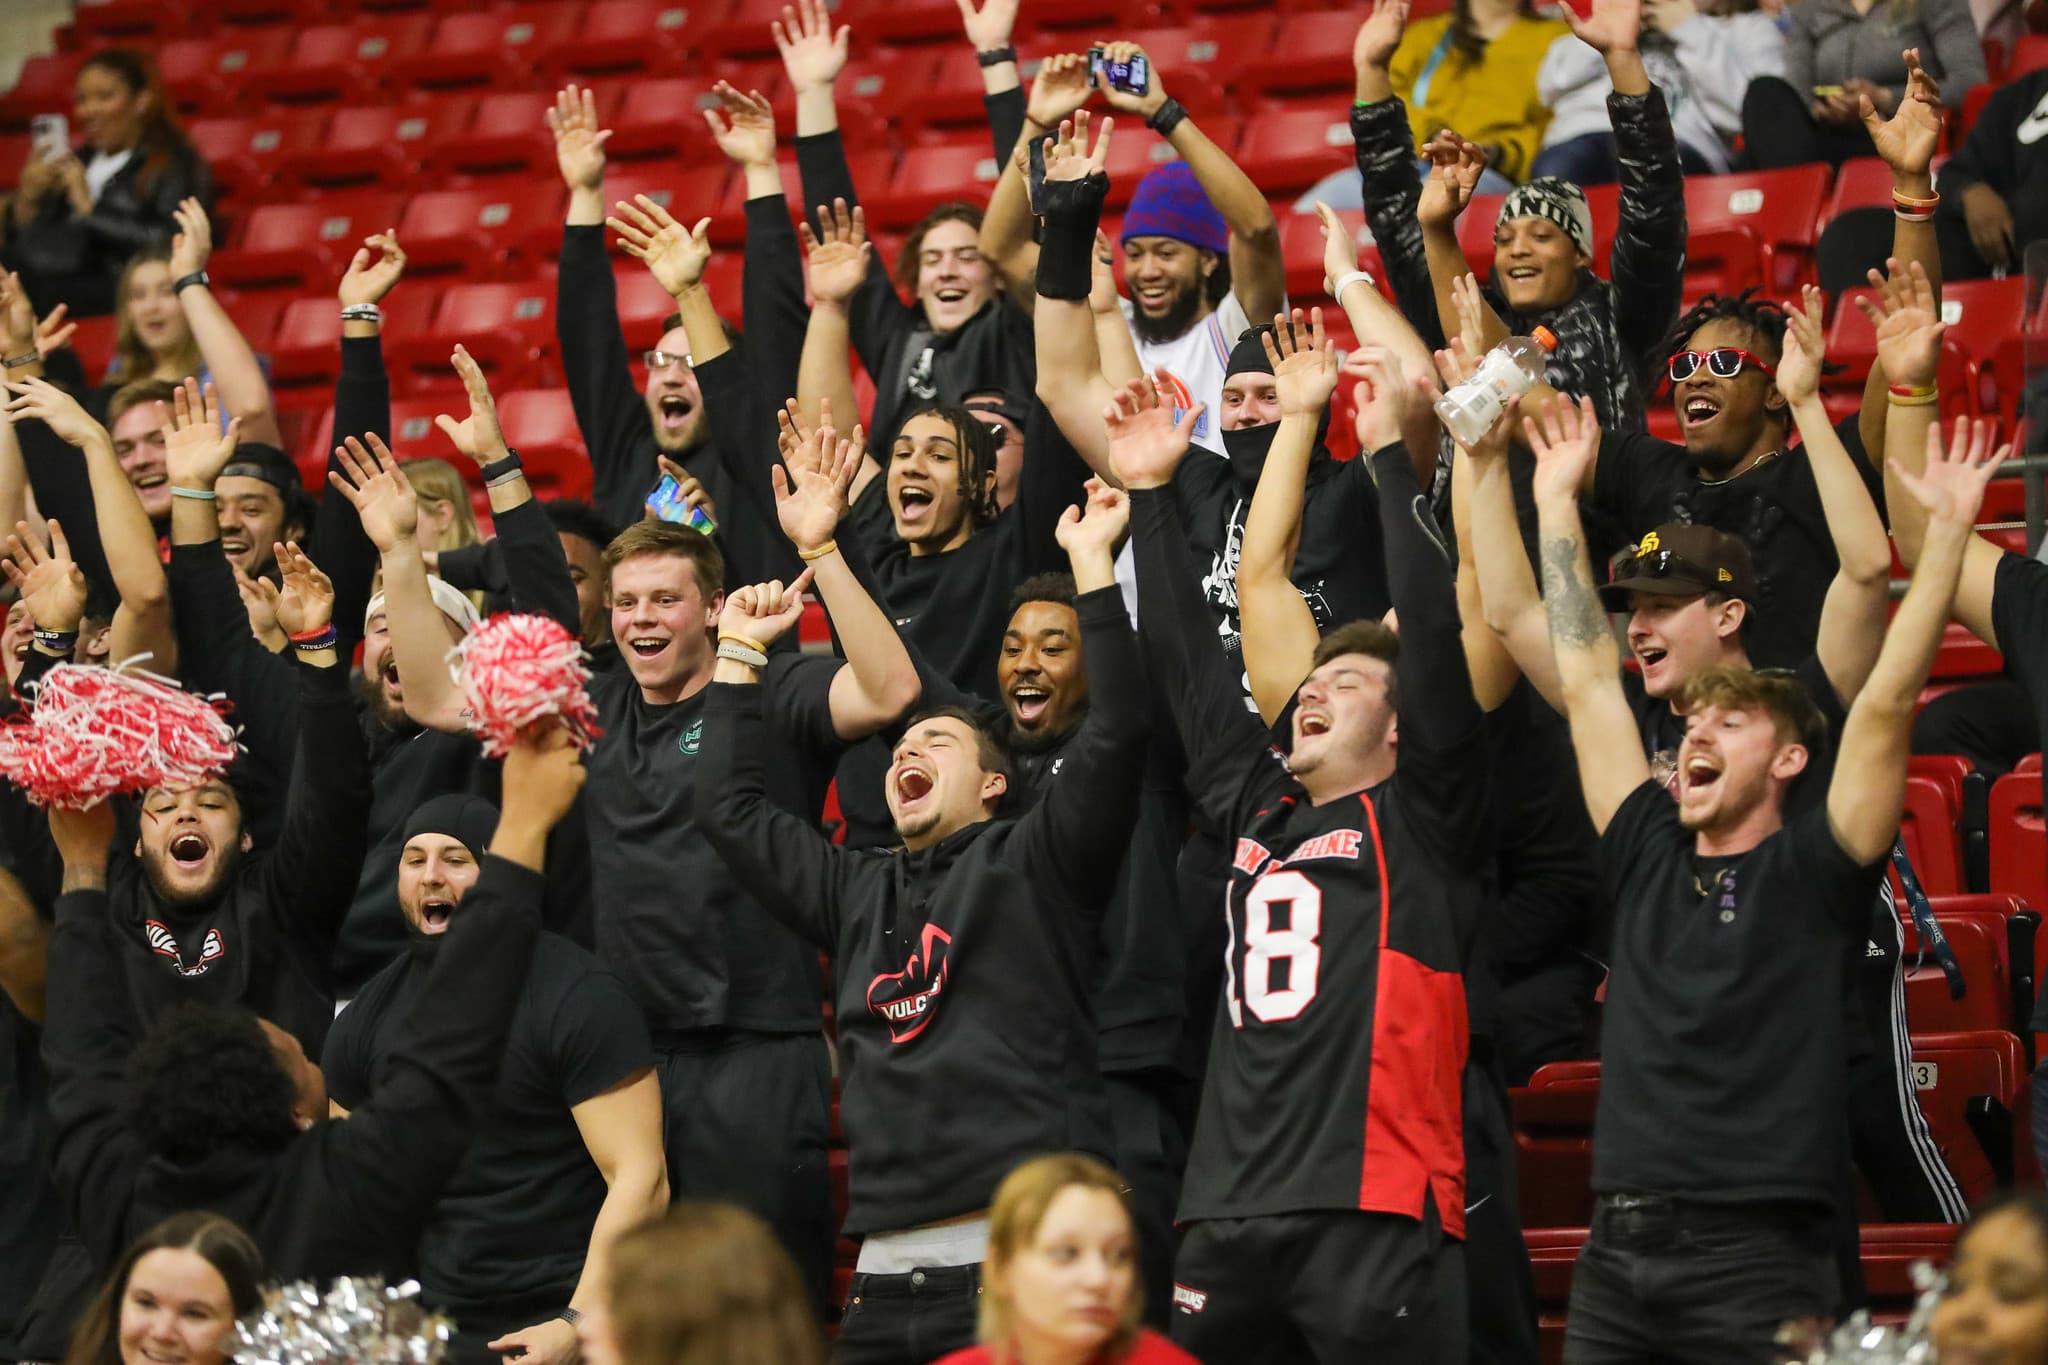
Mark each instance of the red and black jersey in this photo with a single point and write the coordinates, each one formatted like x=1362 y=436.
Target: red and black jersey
x=1335 y=1073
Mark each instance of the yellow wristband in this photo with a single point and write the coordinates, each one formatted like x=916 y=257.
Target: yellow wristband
x=830 y=547
x=1918 y=400
x=749 y=641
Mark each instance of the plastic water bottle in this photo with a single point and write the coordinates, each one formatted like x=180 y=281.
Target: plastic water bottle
x=1508 y=371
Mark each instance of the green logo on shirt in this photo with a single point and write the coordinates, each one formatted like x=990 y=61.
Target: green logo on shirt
x=692 y=737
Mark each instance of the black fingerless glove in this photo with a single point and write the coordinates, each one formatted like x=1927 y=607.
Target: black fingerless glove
x=1070 y=211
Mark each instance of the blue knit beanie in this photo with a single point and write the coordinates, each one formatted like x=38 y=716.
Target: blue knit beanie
x=1170 y=203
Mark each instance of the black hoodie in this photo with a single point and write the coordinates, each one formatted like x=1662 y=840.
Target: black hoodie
x=345 y=1197
x=962 y=971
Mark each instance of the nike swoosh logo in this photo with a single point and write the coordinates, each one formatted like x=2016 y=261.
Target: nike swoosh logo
x=1482 y=1200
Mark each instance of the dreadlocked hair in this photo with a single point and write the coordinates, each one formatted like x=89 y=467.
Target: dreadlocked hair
x=977 y=456
x=1765 y=319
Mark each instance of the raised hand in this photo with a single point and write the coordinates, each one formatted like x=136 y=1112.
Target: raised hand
x=374 y=269
x=379 y=491
x=82 y=838
x=1067 y=156
x=763 y=611
x=990 y=26
x=60 y=412
x=305 y=603
x=1609 y=26
x=1102 y=295
x=674 y=254
x=1564 y=440
x=1799 y=365
x=1058 y=90
x=193 y=242
x=1146 y=444
x=1951 y=487
x=1456 y=163
x=53 y=333
x=1154 y=96
x=1908 y=139
x=1909 y=325
x=689 y=486
x=837 y=255
x=1380 y=35
x=1384 y=396
x=579 y=142
x=1099 y=527
x=51 y=585
x=1470 y=307
x=259 y=604
x=811 y=494
x=17 y=315
x=1340 y=248
x=195 y=448
x=1304 y=362
x=812 y=53
x=477 y=435
x=542 y=775
x=743 y=126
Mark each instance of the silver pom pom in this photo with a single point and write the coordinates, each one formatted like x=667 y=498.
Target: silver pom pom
x=1857 y=1342
x=358 y=1321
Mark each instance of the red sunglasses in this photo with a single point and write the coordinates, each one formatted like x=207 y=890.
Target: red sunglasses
x=1724 y=362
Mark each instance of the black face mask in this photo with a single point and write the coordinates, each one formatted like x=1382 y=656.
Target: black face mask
x=1248 y=448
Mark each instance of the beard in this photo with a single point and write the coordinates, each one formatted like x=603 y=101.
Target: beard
x=223 y=872
x=917 y=826
x=1180 y=315
x=388 y=713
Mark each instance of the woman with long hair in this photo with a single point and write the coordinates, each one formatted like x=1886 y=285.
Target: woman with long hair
x=447 y=521
x=707 y=1284
x=1996 y=1308
x=174 y=1296
x=1061 y=1284
x=78 y=216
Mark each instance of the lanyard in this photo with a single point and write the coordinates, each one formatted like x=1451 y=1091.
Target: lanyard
x=1924 y=921
x=1436 y=58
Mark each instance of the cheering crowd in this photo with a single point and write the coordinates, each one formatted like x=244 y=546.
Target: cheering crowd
x=1556 y=741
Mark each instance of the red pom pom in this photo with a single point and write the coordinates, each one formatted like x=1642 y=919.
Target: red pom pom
x=96 y=732
x=519 y=671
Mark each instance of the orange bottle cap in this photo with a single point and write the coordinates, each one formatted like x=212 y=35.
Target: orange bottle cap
x=1545 y=338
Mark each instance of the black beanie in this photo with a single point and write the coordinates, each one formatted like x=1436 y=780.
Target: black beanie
x=470 y=820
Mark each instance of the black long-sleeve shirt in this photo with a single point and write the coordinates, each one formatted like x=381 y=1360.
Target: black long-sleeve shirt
x=908 y=361
x=134 y=210
x=345 y=1197
x=340 y=546
x=961 y=971
x=1334 y=1074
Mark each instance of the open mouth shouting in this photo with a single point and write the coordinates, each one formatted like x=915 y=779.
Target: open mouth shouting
x=434 y=913
x=1699 y=775
x=1699 y=410
x=914 y=504
x=1312 y=722
x=189 y=850
x=676 y=411
x=1029 y=701
x=648 y=646
x=913 y=787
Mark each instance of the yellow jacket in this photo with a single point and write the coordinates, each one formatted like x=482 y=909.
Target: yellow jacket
x=1492 y=99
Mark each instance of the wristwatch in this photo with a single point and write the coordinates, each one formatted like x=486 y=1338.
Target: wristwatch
x=184 y=282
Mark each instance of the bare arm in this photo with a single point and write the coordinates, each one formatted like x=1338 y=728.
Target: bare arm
x=1610 y=754
x=813 y=53
x=836 y=260
x=237 y=377
x=1279 y=628
x=1907 y=141
x=621 y=1129
x=1868 y=790
x=1493 y=669
x=1374 y=321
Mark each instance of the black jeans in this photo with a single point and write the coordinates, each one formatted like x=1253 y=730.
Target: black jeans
x=909 y=1319
x=1779 y=129
x=1673 y=1282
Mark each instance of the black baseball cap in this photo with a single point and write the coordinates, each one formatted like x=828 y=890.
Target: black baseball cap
x=1682 y=560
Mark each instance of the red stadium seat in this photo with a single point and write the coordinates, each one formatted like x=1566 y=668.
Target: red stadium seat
x=931 y=175
x=913 y=21
x=1932 y=842
x=15 y=149
x=743 y=30
x=381 y=144
x=1979 y=942
x=1987 y=321
x=1312 y=52
x=479 y=232
x=1301 y=245
x=247 y=154
x=508 y=131
x=622 y=36
x=1553 y=1118
x=2029 y=54
x=541 y=425
x=304 y=244
x=1781 y=207
x=2019 y=839
x=100 y=23
x=1722 y=260
x=44 y=87
x=1291 y=150
x=663 y=117
x=1956 y=1072
x=643 y=305
x=689 y=193
x=488 y=46
x=893 y=87
x=305 y=348
x=94 y=343
x=335 y=61
x=1218 y=47
x=1863 y=182
x=205 y=75
x=506 y=326
x=1475 y=231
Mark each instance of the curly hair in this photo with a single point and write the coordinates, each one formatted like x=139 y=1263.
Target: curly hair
x=1765 y=319
x=205 y=1079
x=1044 y=587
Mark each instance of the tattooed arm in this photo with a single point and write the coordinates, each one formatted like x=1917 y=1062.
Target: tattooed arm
x=1611 y=762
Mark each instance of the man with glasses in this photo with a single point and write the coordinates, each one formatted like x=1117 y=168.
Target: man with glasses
x=1734 y=470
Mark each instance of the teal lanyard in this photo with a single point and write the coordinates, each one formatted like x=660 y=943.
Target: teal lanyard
x=1436 y=58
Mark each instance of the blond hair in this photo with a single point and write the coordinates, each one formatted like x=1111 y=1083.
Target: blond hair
x=1020 y=1206
x=134 y=359
x=708 y=1284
